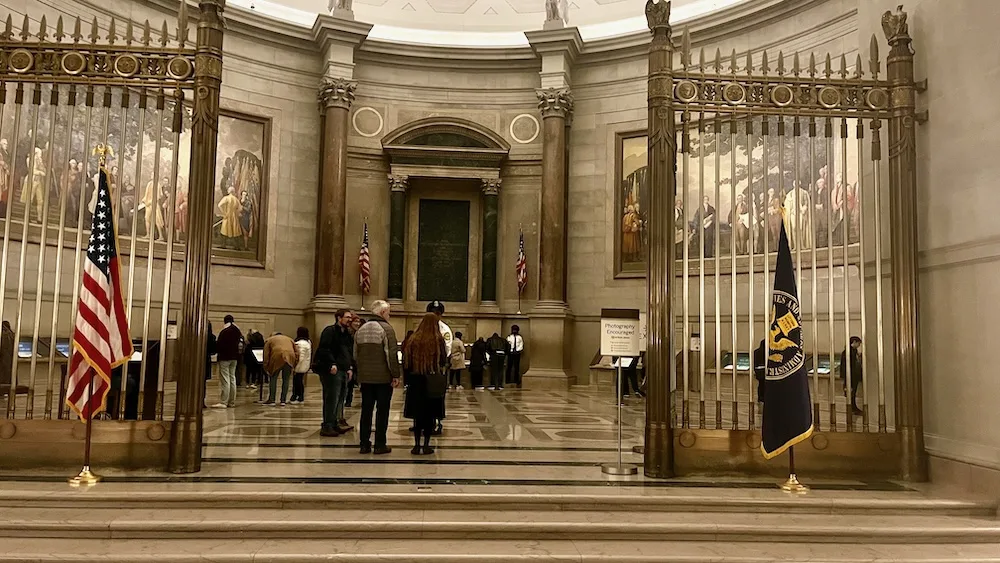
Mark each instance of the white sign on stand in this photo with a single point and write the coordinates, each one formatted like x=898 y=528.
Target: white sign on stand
x=620 y=332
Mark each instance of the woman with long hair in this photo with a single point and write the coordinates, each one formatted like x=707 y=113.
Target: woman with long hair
x=304 y=348
x=402 y=349
x=424 y=358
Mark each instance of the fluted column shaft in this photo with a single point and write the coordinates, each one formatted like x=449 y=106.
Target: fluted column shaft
x=491 y=209
x=556 y=105
x=336 y=96
x=397 y=234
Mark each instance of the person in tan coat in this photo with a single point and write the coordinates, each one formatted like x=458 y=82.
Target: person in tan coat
x=280 y=356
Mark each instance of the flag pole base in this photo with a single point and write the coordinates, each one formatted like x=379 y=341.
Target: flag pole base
x=792 y=486
x=620 y=469
x=85 y=478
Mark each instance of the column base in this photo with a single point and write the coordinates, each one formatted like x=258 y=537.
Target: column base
x=321 y=312
x=549 y=347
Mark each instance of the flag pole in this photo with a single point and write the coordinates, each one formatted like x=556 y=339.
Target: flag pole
x=365 y=228
x=792 y=485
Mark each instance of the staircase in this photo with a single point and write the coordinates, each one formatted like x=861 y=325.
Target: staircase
x=291 y=523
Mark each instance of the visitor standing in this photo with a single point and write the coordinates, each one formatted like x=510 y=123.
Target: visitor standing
x=424 y=358
x=496 y=347
x=857 y=371
x=229 y=346
x=376 y=354
x=437 y=308
x=280 y=357
x=209 y=352
x=304 y=348
x=334 y=364
x=457 y=361
x=477 y=363
x=515 y=346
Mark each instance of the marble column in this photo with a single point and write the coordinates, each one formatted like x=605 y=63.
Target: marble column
x=551 y=320
x=555 y=105
x=491 y=208
x=397 y=234
x=336 y=95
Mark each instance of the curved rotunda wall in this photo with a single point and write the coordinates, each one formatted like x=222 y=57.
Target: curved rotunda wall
x=274 y=74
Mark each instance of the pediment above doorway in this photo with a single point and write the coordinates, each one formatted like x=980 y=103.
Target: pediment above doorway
x=445 y=147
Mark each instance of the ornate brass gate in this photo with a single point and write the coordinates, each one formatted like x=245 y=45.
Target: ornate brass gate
x=63 y=90
x=783 y=123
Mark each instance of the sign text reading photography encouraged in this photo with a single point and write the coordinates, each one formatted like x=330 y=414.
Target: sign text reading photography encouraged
x=619 y=332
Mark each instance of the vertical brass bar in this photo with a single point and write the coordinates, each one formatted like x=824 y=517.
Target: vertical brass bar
x=169 y=260
x=842 y=195
x=766 y=302
x=117 y=187
x=78 y=255
x=186 y=431
x=700 y=225
x=813 y=303
x=827 y=204
x=879 y=322
x=42 y=247
x=137 y=179
x=57 y=290
x=909 y=419
x=26 y=184
x=732 y=253
x=685 y=272
x=658 y=454
x=717 y=130
x=858 y=203
x=8 y=220
x=152 y=235
x=751 y=248
x=801 y=237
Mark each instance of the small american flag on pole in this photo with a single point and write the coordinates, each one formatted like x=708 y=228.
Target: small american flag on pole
x=364 y=263
x=101 y=340
x=521 y=266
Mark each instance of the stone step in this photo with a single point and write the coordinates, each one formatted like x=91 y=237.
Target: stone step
x=469 y=551
x=484 y=524
x=666 y=500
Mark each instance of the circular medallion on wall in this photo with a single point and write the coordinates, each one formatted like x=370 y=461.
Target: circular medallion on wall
x=367 y=121
x=524 y=128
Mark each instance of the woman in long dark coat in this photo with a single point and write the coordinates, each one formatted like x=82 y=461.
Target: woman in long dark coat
x=423 y=359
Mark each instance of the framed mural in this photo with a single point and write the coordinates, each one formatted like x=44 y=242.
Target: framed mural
x=239 y=225
x=631 y=199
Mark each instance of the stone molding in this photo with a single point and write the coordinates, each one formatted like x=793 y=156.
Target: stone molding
x=555 y=102
x=491 y=186
x=398 y=183
x=337 y=92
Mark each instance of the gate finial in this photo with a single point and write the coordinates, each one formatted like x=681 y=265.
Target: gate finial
x=164 y=35
x=77 y=33
x=718 y=60
x=112 y=36
x=733 y=66
x=843 y=66
x=8 y=32
x=25 y=31
x=146 y=34
x=686 y=48
x=828 y=69
x=763 y=63
x=182 y=24
x=812 y=65
x=94 y=32
x=858 y=71
x=875 y=65
x=781 y=63
x=796 y=67
x=43 y=29
x=59 y=35
x=128 y=32
x=749 y=68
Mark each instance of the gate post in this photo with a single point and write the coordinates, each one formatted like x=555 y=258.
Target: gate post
x=659 y=438
x=186 y=432
x=903 y=246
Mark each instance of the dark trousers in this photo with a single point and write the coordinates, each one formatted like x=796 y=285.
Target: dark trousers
x=375 y=396
x=514 y=369
x=299 y=387
x=423 y=427
x=349 y=398
x=455 y=377
x=477 y=377
x=496 y=374
x=630 y=377
x=854 y=392
x=333 y=386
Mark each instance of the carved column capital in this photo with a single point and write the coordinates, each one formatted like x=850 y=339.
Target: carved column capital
x=398 y=183
x=336 y=92
x=491 y=186
x=555 y=102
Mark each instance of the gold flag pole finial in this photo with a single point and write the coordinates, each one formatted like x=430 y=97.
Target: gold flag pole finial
x=103 y=151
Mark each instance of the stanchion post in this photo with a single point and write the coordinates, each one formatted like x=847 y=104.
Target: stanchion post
x=792 y=485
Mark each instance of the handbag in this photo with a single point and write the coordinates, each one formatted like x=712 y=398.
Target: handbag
x=437 y=385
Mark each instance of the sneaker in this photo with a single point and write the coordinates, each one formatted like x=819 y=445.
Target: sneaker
x=382 y=450
x=492 y=388
x=283 y=403
x=253 y=385
x=460 y=388
x=268 y=403
x=219 y=406
x=365 y=449
x=479 y=388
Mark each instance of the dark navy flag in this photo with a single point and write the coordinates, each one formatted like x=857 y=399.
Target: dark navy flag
x=787 y=418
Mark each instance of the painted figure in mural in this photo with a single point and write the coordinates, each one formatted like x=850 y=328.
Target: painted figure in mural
x=33 y=185
x=837 y=208
x=679 y=228
x=4 y=176
x=154 y=211
x=853 y=213
x=821 y=209
x=231 y=207
x=704 y=221
x=739 y=221
x=180 y=209
x=127 y=212
x=800 y=231
x=631 y=235
x=246 y=218
x=69 y=184
x=773 y=221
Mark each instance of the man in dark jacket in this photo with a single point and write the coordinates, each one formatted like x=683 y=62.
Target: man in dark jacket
x=335 y=364
x=377 y=355
x=477 y=363
x=857 y=371
x=229 y=348
x=496 y=346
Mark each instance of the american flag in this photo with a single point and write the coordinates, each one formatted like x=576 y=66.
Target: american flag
x=101 y=340
x=364 y=264
x=521 y=266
